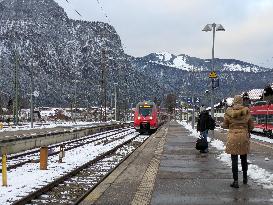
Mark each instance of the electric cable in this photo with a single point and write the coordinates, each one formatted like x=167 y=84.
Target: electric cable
x=73 y=8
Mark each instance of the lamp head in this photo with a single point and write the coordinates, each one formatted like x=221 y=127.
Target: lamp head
x=220 y=28
x=207 y=28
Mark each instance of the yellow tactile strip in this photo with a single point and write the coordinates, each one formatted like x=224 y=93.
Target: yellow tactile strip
x=145 y=189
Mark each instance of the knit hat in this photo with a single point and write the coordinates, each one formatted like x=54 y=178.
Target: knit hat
x=202 y=109
x=238 y=100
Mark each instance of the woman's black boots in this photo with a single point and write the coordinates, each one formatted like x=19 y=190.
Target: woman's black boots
x=235 y=184
x=234 y=159
x=245 y=177
x=244 y=167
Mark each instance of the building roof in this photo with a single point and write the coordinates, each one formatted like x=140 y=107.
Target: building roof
x=255 y=94
x=229 y=101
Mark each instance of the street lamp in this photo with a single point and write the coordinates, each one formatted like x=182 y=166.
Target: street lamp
x=213 y=27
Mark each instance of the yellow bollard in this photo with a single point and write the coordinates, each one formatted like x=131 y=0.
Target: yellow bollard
x=4 y=169
x=43 y=158
x=1 y=125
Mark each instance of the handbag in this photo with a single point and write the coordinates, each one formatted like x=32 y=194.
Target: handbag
x=201 y=143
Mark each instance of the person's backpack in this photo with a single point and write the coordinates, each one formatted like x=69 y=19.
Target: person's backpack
x=201 y=144
x=211 y=123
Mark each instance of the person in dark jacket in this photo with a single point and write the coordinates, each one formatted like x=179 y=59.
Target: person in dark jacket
x=238 y=120
x=204 y=124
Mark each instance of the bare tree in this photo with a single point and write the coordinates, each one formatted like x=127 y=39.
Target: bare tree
x=171 y=102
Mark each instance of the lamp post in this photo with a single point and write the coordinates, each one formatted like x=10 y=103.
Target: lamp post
x=213 y=27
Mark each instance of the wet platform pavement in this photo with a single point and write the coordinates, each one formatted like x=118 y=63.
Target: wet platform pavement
x=176 y=173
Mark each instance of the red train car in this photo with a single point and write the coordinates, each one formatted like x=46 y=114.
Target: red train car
x=262 y=115
x=146 y=117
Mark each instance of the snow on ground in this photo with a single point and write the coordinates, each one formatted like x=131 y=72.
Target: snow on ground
x=260 y=138
x=50 y=125
x=28 y=177
x=51 y=148
x=259 y=175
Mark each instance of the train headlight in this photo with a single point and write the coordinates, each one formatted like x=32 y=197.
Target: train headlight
x=151 y=118
x=138 y=117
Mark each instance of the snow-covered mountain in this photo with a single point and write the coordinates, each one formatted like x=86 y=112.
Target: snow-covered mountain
x=66 y=57
x=188 y=63
x=185 y=75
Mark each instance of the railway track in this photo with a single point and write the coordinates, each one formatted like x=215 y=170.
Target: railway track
x=17 y=160
x=72 y=187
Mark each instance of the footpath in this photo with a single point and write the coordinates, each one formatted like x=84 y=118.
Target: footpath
x=167 y=169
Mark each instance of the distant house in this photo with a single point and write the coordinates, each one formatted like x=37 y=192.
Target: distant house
x=255 y=94
x=47 y=113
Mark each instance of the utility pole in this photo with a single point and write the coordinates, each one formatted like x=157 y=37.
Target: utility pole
x=15 y=105
x=181 y=110
x=115 y=86
x=192 y=99
x=103 y=86
x=131 y=112
x=193 y=113
x=71 y=108
x=75 y=101
x=31 y=96
x=126 y=109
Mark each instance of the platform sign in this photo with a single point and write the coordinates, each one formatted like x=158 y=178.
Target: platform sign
x=212 y=74
x=184 y=99
x=145 y=106
x=36 y=93
x=191 y=100
x=197 y=100
x=215 y=83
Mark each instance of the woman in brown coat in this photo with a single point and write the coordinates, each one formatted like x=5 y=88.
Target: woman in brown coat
x=238 y=120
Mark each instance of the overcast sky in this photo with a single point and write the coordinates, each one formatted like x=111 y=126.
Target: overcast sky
x=175 y=26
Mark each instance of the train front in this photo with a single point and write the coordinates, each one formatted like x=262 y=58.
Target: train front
x=145 y=119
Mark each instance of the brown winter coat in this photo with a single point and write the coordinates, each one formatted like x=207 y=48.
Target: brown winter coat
x=238 y=120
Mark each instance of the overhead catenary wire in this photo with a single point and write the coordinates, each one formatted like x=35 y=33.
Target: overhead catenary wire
x=100 y=6
x=73 y=7
x=103 y=12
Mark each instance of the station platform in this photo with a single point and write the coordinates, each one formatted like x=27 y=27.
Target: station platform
x=167 y=169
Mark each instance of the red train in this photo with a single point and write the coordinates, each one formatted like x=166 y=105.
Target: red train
x=146 y=118
x=262 y=115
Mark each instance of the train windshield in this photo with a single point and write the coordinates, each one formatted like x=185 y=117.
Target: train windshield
x=145 y=110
